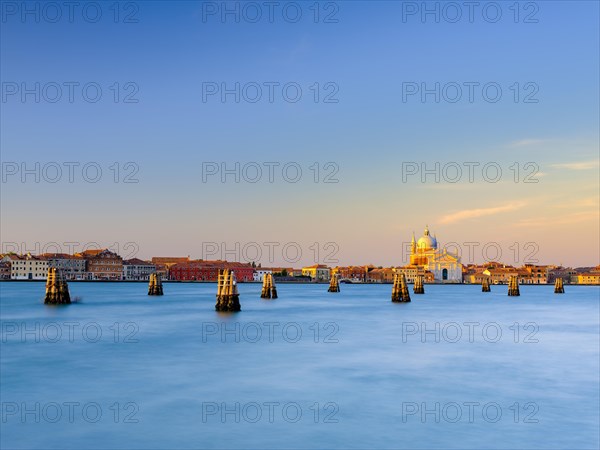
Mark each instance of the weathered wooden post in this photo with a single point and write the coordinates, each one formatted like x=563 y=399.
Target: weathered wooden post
x=485 y=285
x=228 y=298
x=155 y=285
x=400 y=289
x=418 y=287
x=273 y=288
x=268 y=290
x=558 y=286
x=513 y=286
x=266 y=287
x=57 y=290
x=334 y=283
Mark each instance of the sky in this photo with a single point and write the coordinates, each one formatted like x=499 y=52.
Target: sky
x=302 y=132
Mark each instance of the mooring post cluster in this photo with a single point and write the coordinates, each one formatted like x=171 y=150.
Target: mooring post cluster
x=400 y=289
x=228 y=298
x=418 y=287
x=268 y=289
x=334 y=283
x=513 y=286
x=558 y=286
x=155 y=285
x=57 y=290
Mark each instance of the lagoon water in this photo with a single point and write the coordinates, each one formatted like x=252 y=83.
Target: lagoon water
x=455 y=368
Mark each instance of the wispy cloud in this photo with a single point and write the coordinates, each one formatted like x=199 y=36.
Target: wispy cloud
x=480 y=212
x=581 y=165
x=583 y=202
x=528 y=142
x=568 y=219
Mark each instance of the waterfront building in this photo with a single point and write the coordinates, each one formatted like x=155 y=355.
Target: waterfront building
x=411 y=272
x=26 y=267
x=4 y=270
x=475 y=278
x=201 y=270
x=537 y=274
x=164 y=263
x=445 y=266
x=317 y=272
x=381 y=275
x=525 y=275
x=137 y=269
x=586 y=278
x=566 y=273
x=102 y=264
x=279 y=271
x=473 y=274
x=194 y=271
x=259 y=273
x=355 y=274
x=72 y=267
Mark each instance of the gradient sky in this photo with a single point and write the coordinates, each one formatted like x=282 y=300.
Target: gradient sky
x=369 y=133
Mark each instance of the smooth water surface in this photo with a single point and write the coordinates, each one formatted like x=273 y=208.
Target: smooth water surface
x=455 y=368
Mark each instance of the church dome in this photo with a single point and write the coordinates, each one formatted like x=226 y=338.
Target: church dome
x=426 y=242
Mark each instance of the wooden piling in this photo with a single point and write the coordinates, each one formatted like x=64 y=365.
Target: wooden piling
x=485 y=285
x=228 y=298
x=155 y=285
x=269 y=290
x=57 y=290
x=334 y=283
x=513 y=286
x=266 y=287
x=273 y=288
x=400 y=289
x=558 y=286
x=418 y=287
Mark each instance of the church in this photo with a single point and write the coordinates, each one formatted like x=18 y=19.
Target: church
x=445 y=266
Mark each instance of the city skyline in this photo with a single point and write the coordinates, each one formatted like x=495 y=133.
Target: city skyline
x=295 y=252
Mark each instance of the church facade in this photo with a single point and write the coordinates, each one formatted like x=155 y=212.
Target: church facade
x=445 y=266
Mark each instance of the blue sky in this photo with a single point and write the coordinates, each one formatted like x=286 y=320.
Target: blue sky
x=368 y=134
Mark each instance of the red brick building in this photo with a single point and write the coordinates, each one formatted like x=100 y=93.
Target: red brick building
x=354 y=273
x=164 y=263
x=209 y=270
x=103 y=264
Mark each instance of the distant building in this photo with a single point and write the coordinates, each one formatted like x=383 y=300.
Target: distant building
x=445 y=266
x=381 y=275
x=136 y=269
x=103 y=264
x=259 y=273
x=163 y=264
x=586 y=278
x=411 y=272
x=4 y=270
x=500 y=275
x=317 y=272
x=71 y=266
x=525 y=275
x=566 y=273
x=356 y=274
x=209 y=270
x=537 y=274
x=26 y=267
x=475 y=278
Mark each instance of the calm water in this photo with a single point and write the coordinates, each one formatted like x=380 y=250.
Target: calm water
x=169 y=372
